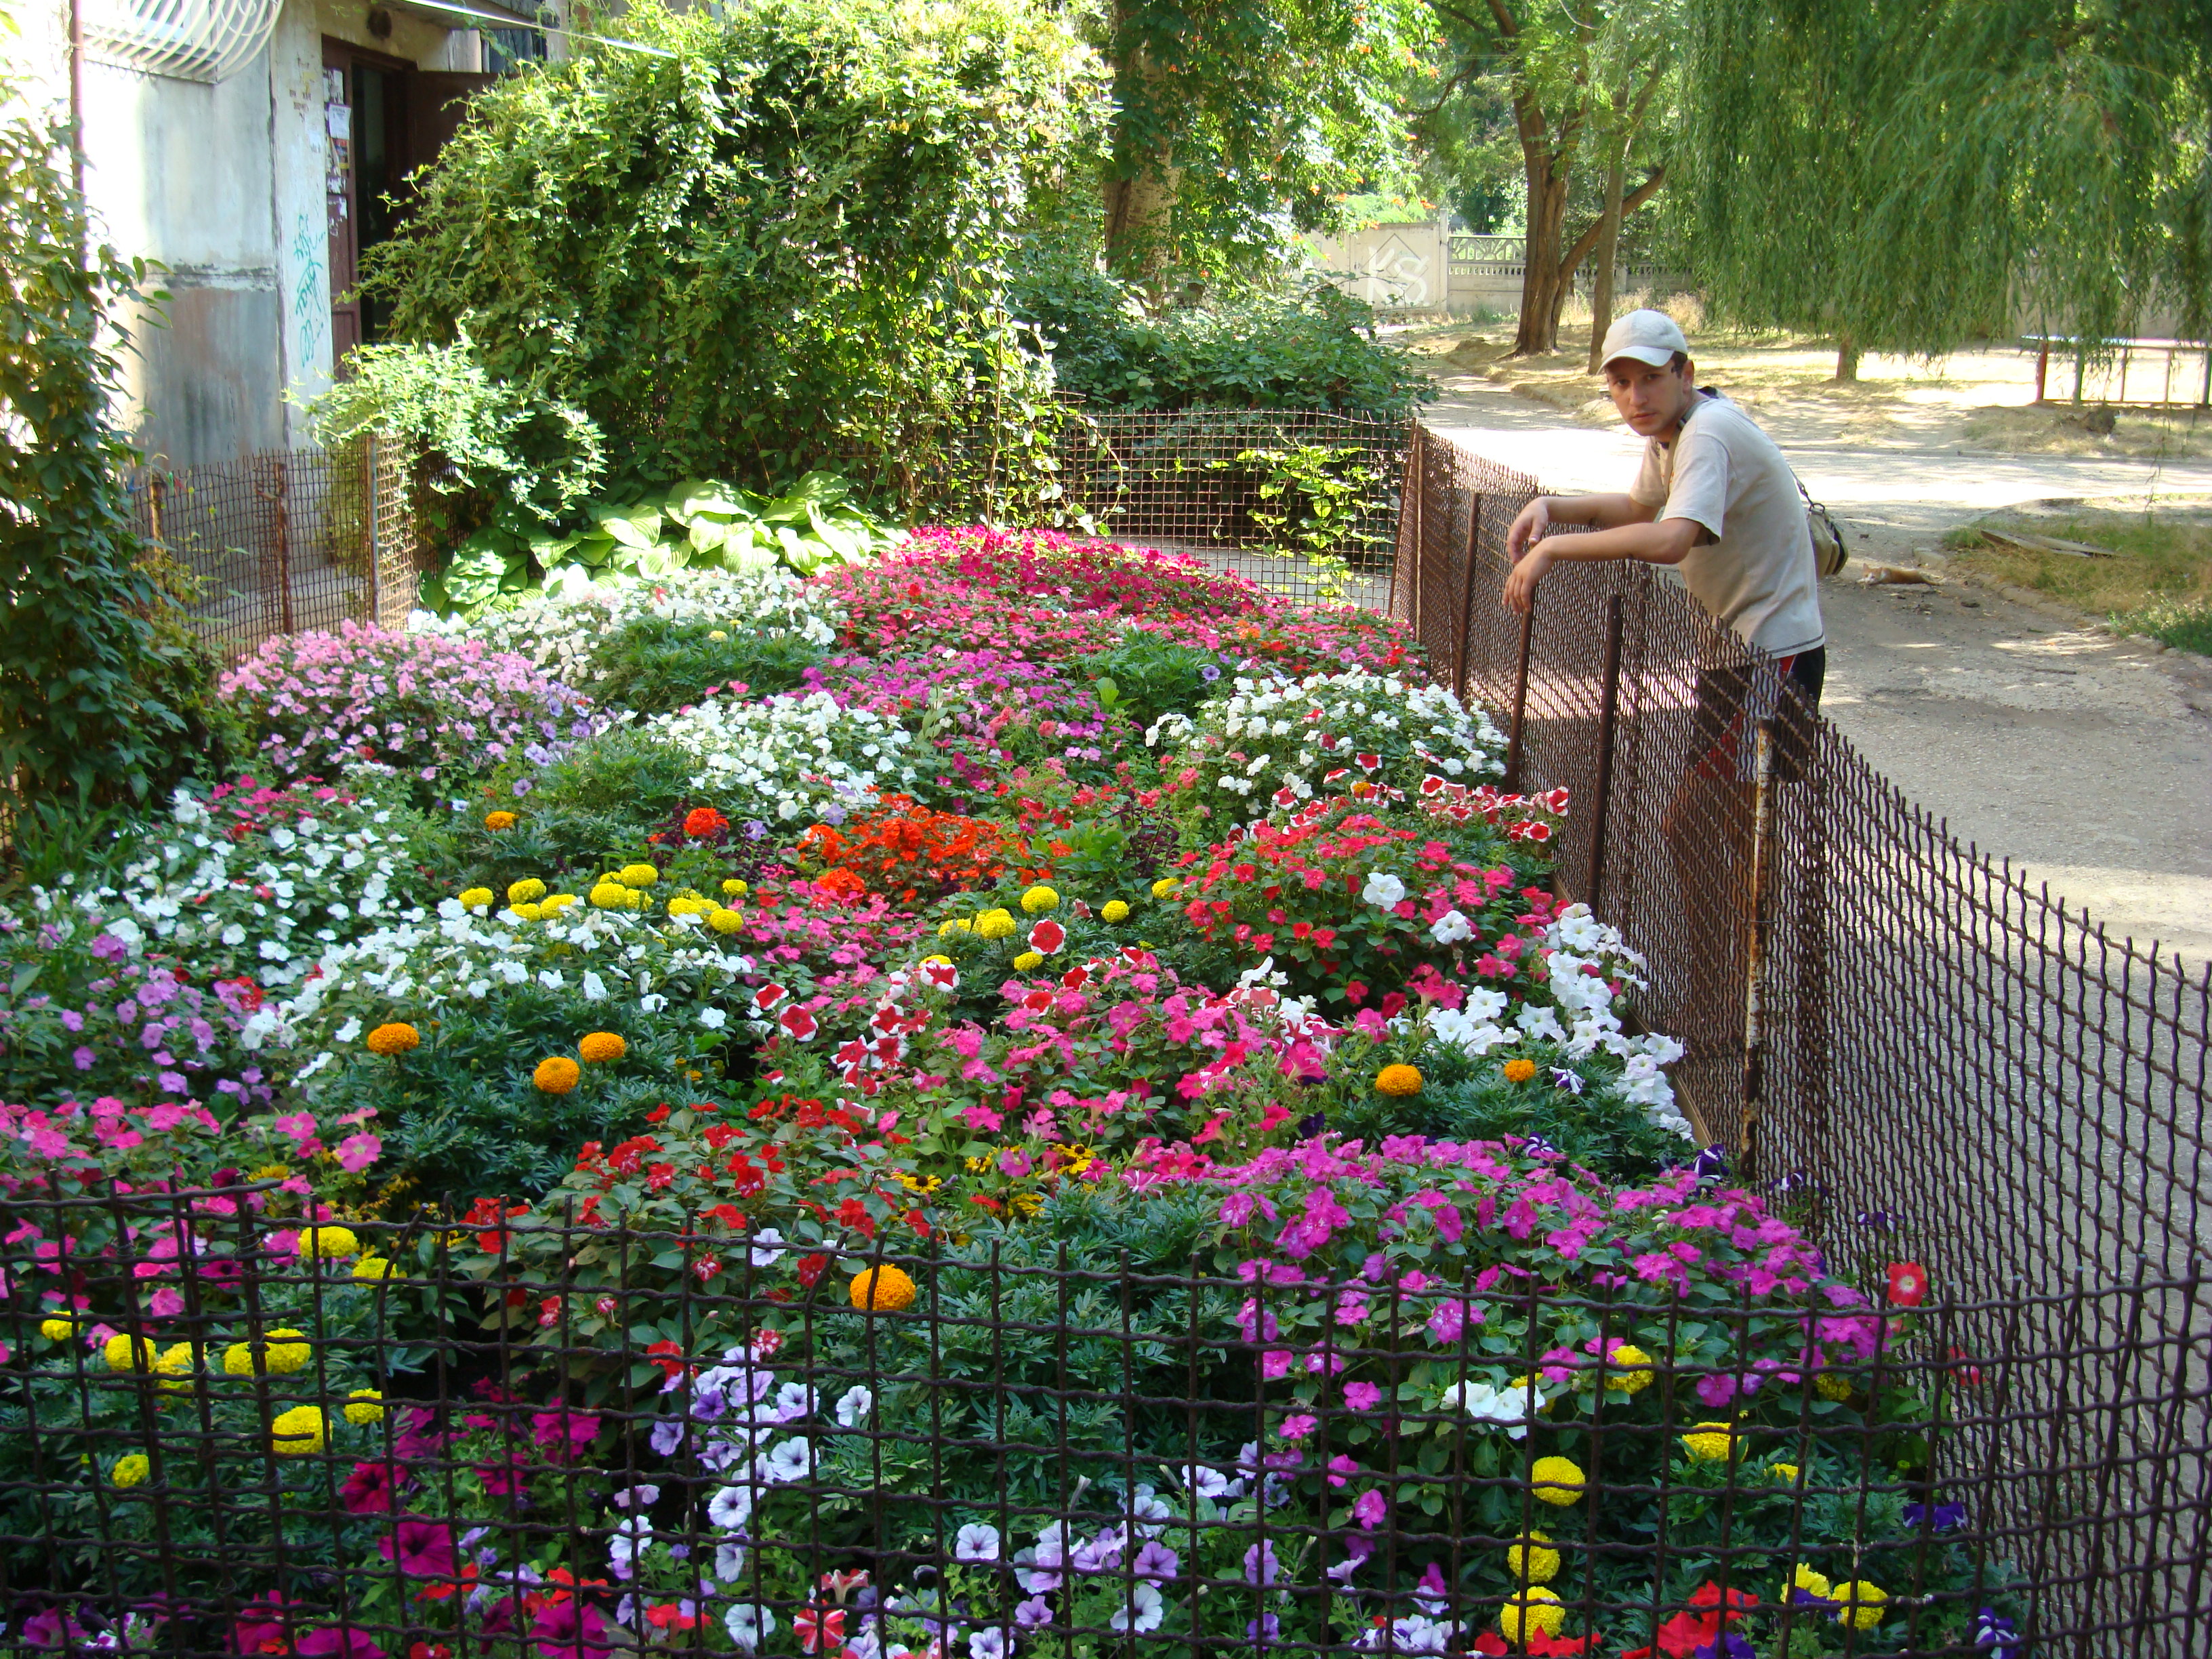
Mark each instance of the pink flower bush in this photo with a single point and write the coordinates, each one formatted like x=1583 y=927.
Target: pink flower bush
x=419 y=703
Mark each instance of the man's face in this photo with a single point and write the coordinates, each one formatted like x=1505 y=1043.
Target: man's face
x=1650 y=399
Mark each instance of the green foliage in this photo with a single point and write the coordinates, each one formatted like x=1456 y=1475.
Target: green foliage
x=1908 y=174
x=702 y=524
x=1246 y=346
x=83 y=667
x=1324 y=497
x=1146 y=676
x=656 y=663
x=779 y=246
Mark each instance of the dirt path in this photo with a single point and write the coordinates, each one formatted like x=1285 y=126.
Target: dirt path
x=2085 y=758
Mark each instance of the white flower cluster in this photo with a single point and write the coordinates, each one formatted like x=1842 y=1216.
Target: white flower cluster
x=1274 y=742
x=456 y=956
x=785 y=757
x=562 y=629
x=1587 y=961
x=266 y=906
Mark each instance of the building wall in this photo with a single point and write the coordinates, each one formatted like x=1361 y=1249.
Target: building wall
x=224 y=186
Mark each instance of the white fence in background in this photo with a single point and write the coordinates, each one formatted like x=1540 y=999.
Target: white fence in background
x=1423 y=268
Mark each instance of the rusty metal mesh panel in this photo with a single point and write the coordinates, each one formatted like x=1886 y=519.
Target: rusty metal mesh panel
x=1924 y=1056
x=1017 y=1391
x=1191 y=481
x=286 y=541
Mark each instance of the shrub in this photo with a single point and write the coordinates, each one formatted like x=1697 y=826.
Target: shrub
x=419 y=704
x=786 y=758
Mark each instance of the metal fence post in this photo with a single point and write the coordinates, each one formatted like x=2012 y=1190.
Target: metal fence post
x=1466 y=590
x=1754 y=954
x=1608 y=717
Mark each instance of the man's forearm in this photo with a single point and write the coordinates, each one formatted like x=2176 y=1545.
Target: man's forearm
x=1663 y=543
x=1604 y=512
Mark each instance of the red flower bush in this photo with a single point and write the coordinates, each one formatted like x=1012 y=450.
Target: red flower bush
x=911 y=853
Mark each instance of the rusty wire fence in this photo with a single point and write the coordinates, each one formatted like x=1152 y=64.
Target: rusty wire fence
x=1936 y=1058
x=288 y=540
x=541 y=1436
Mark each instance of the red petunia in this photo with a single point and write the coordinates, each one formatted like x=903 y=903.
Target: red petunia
x=1908 y=1283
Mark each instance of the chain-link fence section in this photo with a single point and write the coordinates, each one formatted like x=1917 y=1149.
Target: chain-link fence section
x=1933 y=1059
x=508 y=1436
x=282 y=542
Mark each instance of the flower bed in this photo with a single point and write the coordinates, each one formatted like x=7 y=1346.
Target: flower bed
x=1061 y=1111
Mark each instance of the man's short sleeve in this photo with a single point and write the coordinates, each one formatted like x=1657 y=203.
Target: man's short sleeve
x=1701 y=481
x=1649 y=489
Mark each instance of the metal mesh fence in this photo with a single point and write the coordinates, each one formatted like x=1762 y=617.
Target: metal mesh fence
x=996 y=1449
x=287 y=541
x=1256 y=492
x=1938 y=1060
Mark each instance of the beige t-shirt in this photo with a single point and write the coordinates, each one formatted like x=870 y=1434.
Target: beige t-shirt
x=1758 y=573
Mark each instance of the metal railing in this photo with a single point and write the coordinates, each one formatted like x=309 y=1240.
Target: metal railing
x=287 y=540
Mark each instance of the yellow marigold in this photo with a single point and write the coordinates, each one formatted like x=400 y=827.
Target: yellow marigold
x=955 y=924
x=526 y=891
x=1711 y=1443
x=1861 y=1602
x=329 y=1243
x=1804 y=1579
x=127 y=1352
x=1115 y=910
x=1630 y=1369
x=1029 y=961
x=271 y=1172
x=725 y=921
x=1532 y=1561
x=638 y=875
x=557 y=1075
x=1028 y=1206
x=1165 y=885
x=129 y=1470
x=716 y=635
x=1520 y=1070
x=300 y=1433
x=1536 y=1611
x=1558 y=1482
x=475 y=898
x=1038 y=900
x=1399 y=1080
x=883 y=1289
x=1784 y=1474
x=611 y=896
x=370 y=1269
x=1832 y=1387
x=689 y=904
x=498 y=820
x=602 y=1048
x=57 y=1330
x=996 y=924
x=364 y=1406
x=395 y=1038
x=554 y=903
x=285 y=1352
x=178 y=1359
x=734 y=889
x=528 y=911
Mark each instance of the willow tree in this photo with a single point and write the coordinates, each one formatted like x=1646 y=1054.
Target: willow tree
x=1906 y=177
x=1229 y=117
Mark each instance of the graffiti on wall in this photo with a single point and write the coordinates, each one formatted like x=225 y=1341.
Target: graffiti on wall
x=311 y=289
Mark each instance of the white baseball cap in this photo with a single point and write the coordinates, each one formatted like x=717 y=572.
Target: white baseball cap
x=1649 y=337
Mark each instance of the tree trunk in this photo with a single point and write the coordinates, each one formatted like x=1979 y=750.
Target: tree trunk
x=1608 y=254
x=1139 y=214
x=1542 y=281
x=1847 y=358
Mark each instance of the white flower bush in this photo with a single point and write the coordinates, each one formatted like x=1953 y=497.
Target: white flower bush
x=1588 y=969
x=786 y=758
x=1274 y=742
x=562 y=628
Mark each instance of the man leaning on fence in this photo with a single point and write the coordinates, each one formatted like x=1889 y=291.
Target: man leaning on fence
x=1715 y=498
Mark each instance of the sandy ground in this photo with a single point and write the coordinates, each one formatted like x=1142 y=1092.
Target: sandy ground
x=2083 y=758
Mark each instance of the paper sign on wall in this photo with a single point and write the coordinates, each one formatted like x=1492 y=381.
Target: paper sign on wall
x=338 y=120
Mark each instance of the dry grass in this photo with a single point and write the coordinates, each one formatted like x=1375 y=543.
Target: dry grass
x=2160 y=584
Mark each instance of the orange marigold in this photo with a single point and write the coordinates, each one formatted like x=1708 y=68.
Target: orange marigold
x=558 y=1075
x=602 y=1048
x=1520 y=1070
x=498 y=820
x=883 y=1289
x=1399 y=1080
x=395 y=1038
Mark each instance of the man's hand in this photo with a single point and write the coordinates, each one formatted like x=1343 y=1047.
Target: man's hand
x=1528 y=569
x=1528 y=528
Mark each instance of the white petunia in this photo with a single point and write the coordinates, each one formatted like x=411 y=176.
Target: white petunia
x=750 y=1625
x=1504 y=1408
x=1451 y=928
x=853 y=1407
x=713 y=1018
x=1382 y=890
x=730 y=1509
x=767 y=1246
x=976 y=1542
x=1143 y=1611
